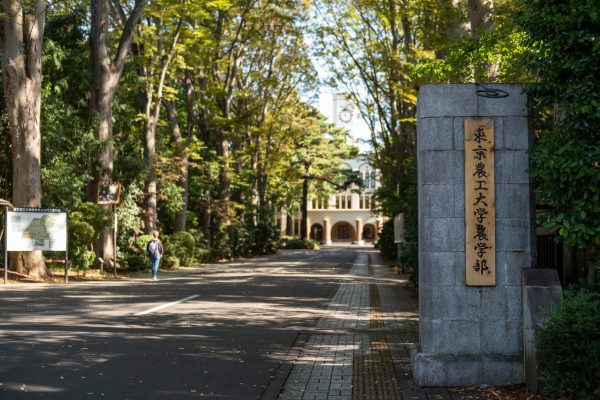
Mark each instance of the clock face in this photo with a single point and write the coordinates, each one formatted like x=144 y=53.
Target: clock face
x=346 y=113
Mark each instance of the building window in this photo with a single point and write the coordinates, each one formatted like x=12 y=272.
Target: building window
x=337 y=202
x=361 y=202
x=349 y=202
x=367 y=202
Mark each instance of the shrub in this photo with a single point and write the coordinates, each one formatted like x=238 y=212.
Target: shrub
x=182 y=245
x=568 y=347
x=302 y=244
x=142 y=242
x=170 y=262
x=386 y=244
x=202 y=255
x=136 y=262
x=239 y=240
x=265 y=239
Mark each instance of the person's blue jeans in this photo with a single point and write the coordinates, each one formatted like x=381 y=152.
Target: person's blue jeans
x=154 y=263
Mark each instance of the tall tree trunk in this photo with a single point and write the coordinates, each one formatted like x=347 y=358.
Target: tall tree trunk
x=22 y=74
x=181 y=149
x=480 y=16
x=152 y=113
x=105 y=76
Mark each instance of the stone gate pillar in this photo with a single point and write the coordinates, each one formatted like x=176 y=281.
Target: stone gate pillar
x=470 y=332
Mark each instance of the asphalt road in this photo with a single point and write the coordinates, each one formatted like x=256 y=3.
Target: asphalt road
x=217 y=332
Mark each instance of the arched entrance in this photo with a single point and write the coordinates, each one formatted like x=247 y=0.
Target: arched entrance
x=343 y=232
x=368 y=233
x=316 y=232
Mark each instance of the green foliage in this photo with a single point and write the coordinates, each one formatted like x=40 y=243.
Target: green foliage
x=565 y=53
x=568 y=347
x=81 y=239
x=182 y=245
x=302 y=244
x=130 y=223
x=239 y=240
x=170 y=262
x=136 y=262
x=386 y=244
x=141 y=243
x=96 y=215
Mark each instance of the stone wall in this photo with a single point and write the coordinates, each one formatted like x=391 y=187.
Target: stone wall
x=471 y=335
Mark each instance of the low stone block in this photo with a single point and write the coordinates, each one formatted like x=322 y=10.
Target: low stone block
x=434 y=134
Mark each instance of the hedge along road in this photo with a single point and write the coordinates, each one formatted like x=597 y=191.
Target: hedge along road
x=218 y=331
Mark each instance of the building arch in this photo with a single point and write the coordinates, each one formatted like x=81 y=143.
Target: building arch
x=369 y=232
x=343 y=231
x=316 y=232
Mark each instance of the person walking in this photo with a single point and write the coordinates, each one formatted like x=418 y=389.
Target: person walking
x=154 y=251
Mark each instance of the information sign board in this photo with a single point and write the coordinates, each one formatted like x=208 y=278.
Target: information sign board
x=30 y=229
x=480 y=203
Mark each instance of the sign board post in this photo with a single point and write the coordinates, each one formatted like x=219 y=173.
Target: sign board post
x=31 y=229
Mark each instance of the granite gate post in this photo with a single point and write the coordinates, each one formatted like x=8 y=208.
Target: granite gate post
x=470 y=263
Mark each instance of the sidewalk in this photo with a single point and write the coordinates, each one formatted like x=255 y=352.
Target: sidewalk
x=361 y=348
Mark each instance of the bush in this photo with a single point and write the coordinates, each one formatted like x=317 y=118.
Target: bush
x=142 y=242
x=265 y=239
x=182 y=245
x=202 y=255
x=302 y=244
x=136 y=262
x=239 y=240
x=170 y=262
x=386 y=244
x=568 y=347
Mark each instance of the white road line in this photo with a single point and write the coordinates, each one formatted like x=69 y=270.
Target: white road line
x=162 y=306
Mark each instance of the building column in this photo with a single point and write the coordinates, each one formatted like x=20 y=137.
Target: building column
x=326 y=231
x=359 y=233
x=376 y=236
x=307 y=226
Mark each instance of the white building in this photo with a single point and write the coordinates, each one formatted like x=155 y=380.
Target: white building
x=344 y=217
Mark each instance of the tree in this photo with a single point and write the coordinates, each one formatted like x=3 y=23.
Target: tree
x=22 y=73
x=163 y=24
x=106 y=72
x=563 y=58
x=318 y=150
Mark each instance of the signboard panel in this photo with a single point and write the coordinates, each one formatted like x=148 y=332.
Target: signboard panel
x=30 y=229
x=480 y=203
x=399 y=228
x=109 y=192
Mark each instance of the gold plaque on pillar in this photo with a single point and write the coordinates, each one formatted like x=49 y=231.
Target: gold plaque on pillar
x=480 y=203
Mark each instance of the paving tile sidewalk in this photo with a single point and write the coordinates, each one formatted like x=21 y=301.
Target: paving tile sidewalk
x=361 y=348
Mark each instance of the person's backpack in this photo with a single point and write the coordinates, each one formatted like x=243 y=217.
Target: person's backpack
x=153 y=251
